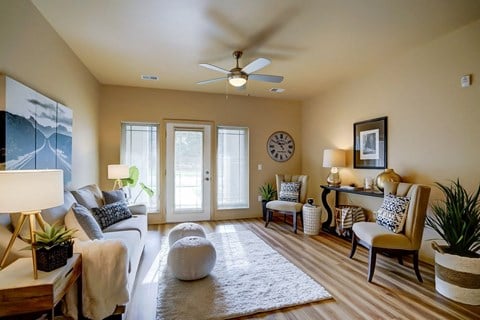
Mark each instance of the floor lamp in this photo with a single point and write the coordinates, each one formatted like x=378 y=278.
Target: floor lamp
x=28 y=192
x=118 y=172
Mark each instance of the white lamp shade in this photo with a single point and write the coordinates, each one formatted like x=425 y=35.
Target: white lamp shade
x=333 y=158
x=118 y=171
x=30 y=190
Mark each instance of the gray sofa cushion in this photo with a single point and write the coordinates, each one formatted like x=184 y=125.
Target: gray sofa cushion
x=80 y=218
x=113 y=196
x=89 y=196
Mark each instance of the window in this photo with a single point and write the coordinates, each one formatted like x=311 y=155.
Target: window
x=140 y=149
x=232 y=168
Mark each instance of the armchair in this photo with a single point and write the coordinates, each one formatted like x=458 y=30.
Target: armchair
x=378 y=239
x=290 y=207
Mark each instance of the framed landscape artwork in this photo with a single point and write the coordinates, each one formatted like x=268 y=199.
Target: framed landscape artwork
x=370 y=144
x=35 y=131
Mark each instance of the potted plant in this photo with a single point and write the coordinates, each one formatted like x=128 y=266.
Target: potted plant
x=267 y=192
x=457 y=220
x=132 y=181
x=50 y=247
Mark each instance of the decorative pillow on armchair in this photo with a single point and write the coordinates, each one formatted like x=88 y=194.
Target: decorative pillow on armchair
x=111 y=213
x=393 y=213
x=289 y=191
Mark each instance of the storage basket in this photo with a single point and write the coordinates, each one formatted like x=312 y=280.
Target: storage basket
x=55 y=257
x=344 y=223
x=311 y=219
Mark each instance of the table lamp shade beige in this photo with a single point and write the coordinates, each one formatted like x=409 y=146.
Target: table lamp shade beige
x=333 y=158
x=118 y=172
x=28 y=192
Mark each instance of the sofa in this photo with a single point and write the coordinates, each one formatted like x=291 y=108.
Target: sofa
x=121 y=247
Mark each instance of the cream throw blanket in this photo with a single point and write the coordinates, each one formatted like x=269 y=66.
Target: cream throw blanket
x=104 y=278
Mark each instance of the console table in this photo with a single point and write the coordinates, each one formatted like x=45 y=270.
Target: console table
x=327 y=189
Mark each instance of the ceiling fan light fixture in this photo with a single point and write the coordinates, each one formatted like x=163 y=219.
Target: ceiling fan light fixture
x=237 y=80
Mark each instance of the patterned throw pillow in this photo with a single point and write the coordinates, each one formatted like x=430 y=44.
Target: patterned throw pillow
x=393 y=213
x=289 y=191
x=111 y=213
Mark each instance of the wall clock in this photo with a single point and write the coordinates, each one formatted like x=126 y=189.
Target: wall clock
x=280 y=146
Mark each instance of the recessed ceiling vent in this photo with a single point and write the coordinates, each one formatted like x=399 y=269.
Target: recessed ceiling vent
x=149 y=77
x=276 y=90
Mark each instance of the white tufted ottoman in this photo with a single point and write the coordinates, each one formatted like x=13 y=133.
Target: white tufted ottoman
x=191 y=258
x=184 y=230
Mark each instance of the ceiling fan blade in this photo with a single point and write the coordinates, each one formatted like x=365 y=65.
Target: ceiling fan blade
x=211 y=80
x=214 y=68
x=256 y=65
x=265 y=77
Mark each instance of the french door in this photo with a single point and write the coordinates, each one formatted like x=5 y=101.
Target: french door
x=188 y=167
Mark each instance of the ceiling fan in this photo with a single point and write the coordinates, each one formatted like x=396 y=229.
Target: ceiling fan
x=238 y=77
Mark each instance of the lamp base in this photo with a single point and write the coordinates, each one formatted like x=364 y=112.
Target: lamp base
x=32 y=215
x=117 y=184
x=333 y=179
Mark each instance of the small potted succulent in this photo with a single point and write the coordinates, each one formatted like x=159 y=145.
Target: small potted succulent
x=267 y=192
x=52 y=246
x=456 y=219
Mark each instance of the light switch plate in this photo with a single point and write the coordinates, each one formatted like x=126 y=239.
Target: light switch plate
x=466 y=81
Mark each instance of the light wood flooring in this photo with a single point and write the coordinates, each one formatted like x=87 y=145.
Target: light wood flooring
x=394 y=293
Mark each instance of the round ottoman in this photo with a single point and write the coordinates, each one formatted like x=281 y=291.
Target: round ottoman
x=191 y=258
x=184 y=230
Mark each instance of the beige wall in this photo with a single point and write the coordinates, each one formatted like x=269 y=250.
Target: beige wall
x=261 y=116
x=32 y=52
x=433 y=123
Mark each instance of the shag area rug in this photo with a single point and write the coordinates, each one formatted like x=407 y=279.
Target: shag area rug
x=249 y=277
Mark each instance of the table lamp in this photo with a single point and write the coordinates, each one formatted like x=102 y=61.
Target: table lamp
x=333 y=158
x=28 y=192
x=118 y=172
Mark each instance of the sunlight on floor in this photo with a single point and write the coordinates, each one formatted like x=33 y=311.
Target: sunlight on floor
x=154 y=271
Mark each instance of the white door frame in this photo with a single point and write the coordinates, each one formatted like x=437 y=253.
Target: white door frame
x=173 y=215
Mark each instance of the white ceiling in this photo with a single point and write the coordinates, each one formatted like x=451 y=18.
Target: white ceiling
x=314 y=44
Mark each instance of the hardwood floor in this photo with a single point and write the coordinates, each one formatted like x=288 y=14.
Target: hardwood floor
x=395 y=292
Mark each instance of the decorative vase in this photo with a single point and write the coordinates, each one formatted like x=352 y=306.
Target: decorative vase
x=387 y=175
x=455 y=277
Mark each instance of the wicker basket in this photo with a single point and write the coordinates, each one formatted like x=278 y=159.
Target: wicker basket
x=55 y=257
x=311 y=219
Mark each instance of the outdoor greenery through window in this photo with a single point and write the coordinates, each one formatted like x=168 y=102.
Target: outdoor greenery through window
x=232 y=168
x=140 y=149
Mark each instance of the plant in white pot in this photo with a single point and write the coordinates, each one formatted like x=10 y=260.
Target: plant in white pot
x=457 y=265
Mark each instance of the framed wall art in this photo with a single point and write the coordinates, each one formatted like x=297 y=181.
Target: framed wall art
x=35 y=131
x=370 y=144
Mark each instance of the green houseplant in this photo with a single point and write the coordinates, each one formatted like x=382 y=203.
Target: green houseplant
x=51 y=246
x=267 y=192
x=456 y=219
x=132 y=181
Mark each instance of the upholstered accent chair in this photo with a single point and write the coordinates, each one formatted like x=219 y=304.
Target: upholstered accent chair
x=288 y=206
x=377 y=238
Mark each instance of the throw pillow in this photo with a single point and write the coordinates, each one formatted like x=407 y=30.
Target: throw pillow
x=113 y=196
x=88 y=197
x=393 y=213
x=80 y=218
x=289 y=191
x=111 y=213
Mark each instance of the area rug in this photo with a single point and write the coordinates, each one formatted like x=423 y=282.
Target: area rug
x=249 y=277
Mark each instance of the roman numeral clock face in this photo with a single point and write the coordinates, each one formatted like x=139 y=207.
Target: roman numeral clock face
x=280 y=146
